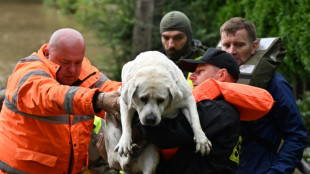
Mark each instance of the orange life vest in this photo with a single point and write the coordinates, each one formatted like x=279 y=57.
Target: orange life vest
x=251 y=102
x=44 y=124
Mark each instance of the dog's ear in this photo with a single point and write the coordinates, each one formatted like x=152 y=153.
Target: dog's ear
x=128 y=91
x=175 y=92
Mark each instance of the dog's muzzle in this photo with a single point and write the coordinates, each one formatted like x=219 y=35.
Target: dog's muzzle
x=150 y=119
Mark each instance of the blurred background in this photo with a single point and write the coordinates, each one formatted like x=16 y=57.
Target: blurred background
x=26 y=25
x=117 y=30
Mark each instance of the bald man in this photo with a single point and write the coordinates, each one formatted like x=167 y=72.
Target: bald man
x=50 y=102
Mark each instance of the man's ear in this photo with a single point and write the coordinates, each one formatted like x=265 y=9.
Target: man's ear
x=254 y=46
x=223 y=75
x=46 y=52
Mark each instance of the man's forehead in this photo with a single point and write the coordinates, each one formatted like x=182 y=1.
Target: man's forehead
x=75 y=59
x=202 y=65
x=172 y=33
x=239 y=36
x=234 y=33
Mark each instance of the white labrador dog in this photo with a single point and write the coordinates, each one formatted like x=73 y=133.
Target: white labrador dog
x=155 y=87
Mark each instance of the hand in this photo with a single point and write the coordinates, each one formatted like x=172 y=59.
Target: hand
x=110 y=104
x=101 y=147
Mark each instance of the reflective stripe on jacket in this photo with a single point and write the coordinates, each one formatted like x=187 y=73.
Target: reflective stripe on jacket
x=44 y=124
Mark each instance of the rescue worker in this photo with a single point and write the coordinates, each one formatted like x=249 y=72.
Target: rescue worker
x=219 y=119
x=262 y=150
x=50 y=102
x=176 y=37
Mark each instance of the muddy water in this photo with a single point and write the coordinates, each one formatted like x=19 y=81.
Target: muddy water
x=26 y=25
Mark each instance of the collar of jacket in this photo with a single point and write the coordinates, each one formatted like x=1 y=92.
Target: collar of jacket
x=53 y=67
x=87 y=68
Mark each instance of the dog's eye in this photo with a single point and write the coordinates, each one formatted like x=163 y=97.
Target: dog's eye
x=160 y=100
x=144 y=99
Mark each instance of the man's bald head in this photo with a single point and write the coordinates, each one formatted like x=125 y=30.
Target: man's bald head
x=66 y=48
x=66 y=37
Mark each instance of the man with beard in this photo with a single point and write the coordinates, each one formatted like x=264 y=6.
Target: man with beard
x=176 y=37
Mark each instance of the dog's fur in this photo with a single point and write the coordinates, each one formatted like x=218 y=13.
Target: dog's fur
x=155 y=87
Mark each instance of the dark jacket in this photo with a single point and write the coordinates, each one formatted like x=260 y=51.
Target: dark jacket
x=262 y=138
x=221 y=124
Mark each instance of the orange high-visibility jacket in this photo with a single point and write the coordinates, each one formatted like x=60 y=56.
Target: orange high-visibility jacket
x=44 y=124
x=251 y=102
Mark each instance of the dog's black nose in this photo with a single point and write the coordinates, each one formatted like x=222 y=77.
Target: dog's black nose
x=150 y=119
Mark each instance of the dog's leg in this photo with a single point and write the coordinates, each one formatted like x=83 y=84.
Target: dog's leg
x=124 y=145
x=111 y=138
x=202 y=142
x=149 y=159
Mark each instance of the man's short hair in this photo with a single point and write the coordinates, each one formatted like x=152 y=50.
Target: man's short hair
x=237 y=23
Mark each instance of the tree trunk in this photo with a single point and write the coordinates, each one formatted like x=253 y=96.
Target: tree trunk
x=142 y=32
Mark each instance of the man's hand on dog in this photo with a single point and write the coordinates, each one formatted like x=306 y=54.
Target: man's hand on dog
x=110 y=104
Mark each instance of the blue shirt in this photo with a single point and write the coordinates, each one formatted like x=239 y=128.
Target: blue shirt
x=262 y=137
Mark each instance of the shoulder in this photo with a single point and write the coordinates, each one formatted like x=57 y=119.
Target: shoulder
x=88 y=67
x=198 y=50
x=218 y=103
x=277 y=77
x=217 y=108
x=34 y=66
x=278 y=82
x=278 y=86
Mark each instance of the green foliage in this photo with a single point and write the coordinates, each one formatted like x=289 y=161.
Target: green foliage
x=306 y=156
x=65 y=6
x=304 y=108
x=52 y=3
x=114 y=20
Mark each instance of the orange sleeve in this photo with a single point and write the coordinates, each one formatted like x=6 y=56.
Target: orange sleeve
x=110 y=85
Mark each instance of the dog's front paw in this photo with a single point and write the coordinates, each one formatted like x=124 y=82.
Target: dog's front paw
x=203 y=144
x=123 y=147
x=136 y=150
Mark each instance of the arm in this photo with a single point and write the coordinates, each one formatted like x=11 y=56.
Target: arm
x=39 y=94
x=106 y=85
x=175 y=132
x=292 y=128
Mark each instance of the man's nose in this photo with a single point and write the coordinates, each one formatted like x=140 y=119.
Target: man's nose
x=192 y=77
x=231 y=50
x=71 y=68
x=171 y=43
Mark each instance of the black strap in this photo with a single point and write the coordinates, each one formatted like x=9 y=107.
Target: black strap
x=78 y=82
